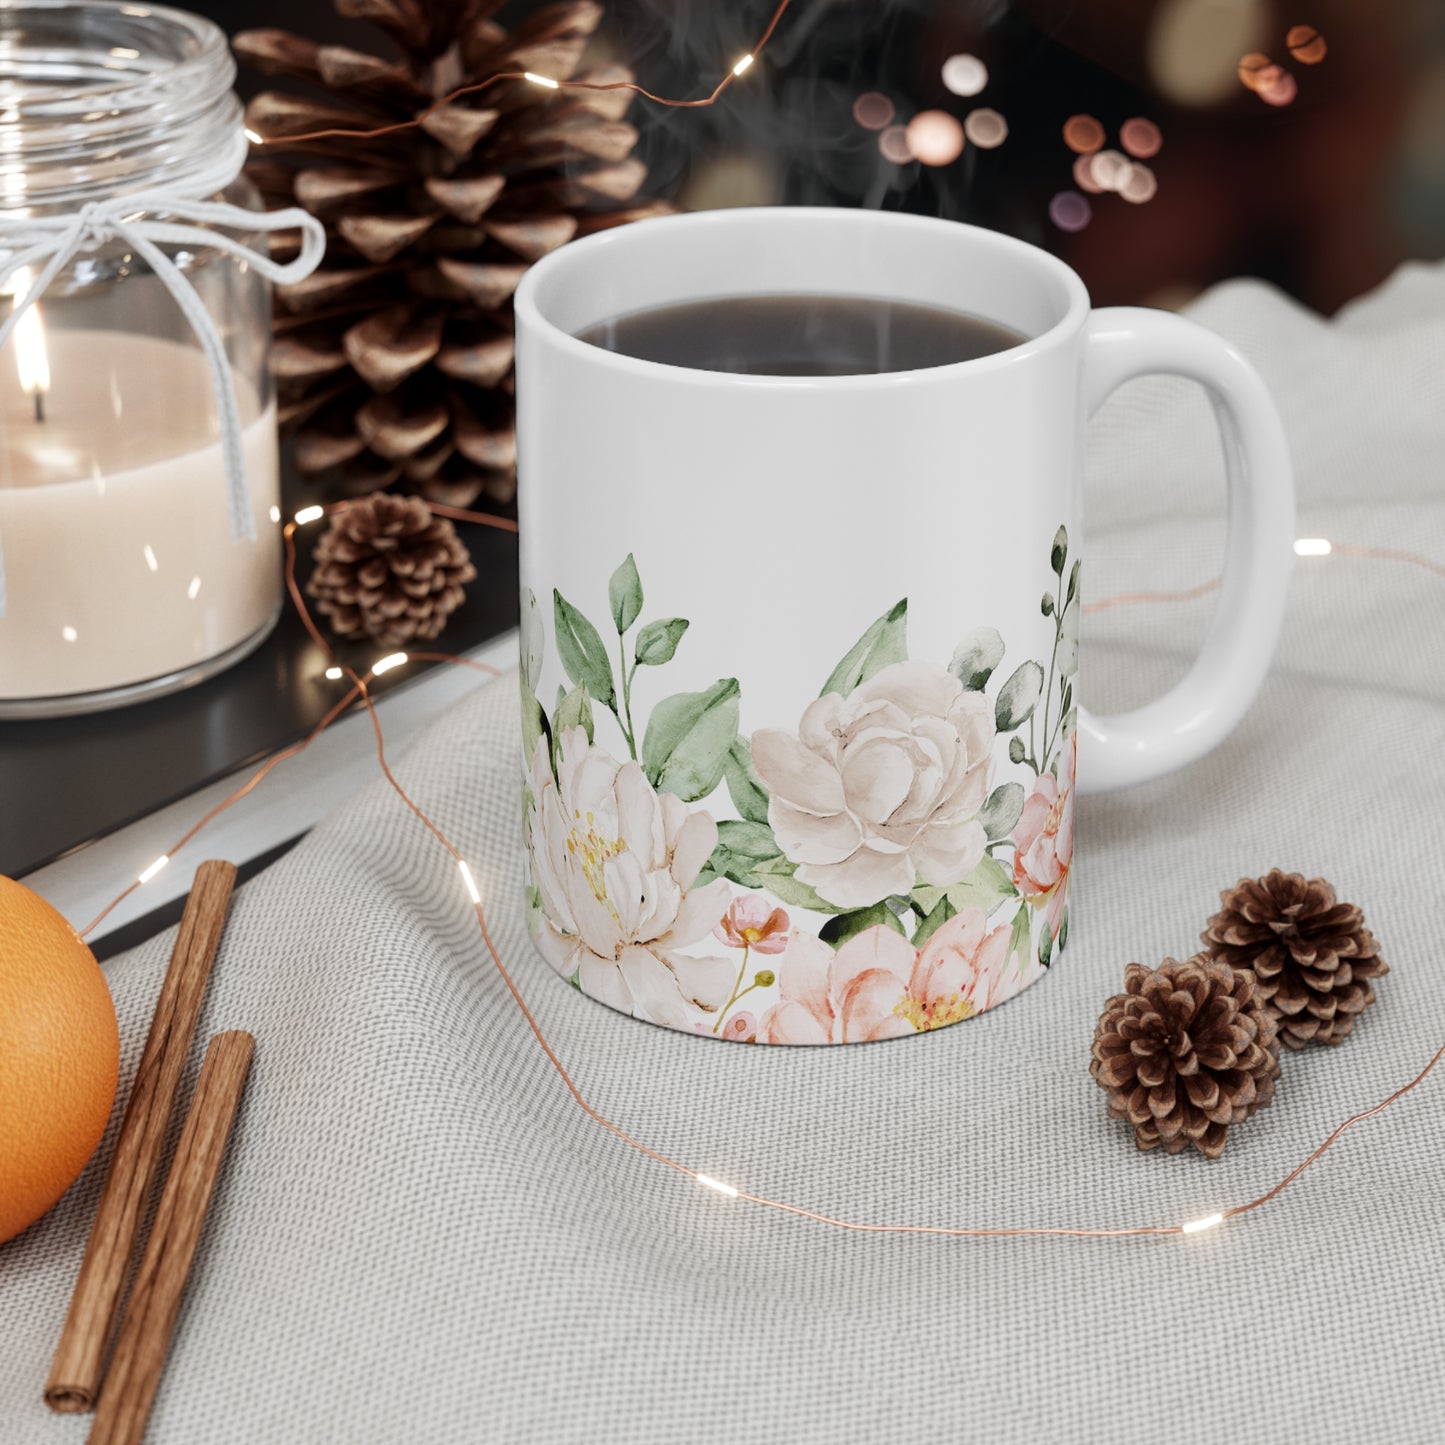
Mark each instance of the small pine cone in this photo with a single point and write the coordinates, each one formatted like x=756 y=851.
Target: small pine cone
x=1185 y=1051
x=387 y=569
x=1313 y=957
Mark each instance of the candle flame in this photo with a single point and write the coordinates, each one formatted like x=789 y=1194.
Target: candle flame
x=31 y=359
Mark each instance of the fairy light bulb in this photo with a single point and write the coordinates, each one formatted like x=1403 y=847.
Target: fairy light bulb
x=708 y=1182
x=1313 y=547
x=543 y=80
x=385 y=664
x=469 y=880
x=256 y=140
x=742 y=64
x=148 y=873
x=1198 y=1226
x=309 y=514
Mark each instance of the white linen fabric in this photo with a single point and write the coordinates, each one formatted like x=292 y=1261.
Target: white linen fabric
x=418 y=1235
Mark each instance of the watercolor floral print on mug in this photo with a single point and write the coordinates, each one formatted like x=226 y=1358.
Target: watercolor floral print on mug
x=865 y=875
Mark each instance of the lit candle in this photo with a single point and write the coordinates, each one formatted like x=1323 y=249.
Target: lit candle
x=31 y=359
x=113 y=518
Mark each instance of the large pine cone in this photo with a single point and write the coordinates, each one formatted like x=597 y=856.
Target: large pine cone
x=1187 y=1050
x=387 y=569
x=1313 y=957
x=394 y=360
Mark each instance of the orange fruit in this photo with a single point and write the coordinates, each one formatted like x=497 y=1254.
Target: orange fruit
x=59 y=1056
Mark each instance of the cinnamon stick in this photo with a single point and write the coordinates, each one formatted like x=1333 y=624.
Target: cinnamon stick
x=75 y=1372
x=155 y=1298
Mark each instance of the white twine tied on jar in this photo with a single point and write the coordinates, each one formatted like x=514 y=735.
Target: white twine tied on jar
x=52 y=242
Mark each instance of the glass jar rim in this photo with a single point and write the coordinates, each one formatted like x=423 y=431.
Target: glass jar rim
x=104 y=97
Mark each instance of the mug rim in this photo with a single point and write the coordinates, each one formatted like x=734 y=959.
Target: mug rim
x=530 y=313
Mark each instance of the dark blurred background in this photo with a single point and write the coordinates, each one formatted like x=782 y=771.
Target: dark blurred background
x=1302 y=141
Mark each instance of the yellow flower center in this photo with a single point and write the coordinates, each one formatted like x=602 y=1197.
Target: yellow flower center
x=925 y=1016
x=751 y=935
x=592 y=851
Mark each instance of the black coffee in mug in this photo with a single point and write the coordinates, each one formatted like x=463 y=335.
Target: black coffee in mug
x=801 y=335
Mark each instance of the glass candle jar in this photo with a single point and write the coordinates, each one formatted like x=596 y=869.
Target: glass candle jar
x=128 y=565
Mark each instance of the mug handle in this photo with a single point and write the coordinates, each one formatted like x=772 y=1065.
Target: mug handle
x=1203 y=707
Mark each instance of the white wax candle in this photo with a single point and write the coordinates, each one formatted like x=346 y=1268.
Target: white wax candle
x=114 y=522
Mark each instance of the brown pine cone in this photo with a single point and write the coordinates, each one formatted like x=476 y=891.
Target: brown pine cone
x=1185 y=1051
x=393 y=361
x=387 y=569
x=1313 y=957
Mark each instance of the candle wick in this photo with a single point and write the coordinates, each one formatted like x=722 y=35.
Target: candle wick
x=39 y=404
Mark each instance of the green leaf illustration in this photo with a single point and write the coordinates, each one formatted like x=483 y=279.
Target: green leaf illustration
x=1018 y=697
x=745 y=788
x=534 y=724
x=1046 y=604
x=1016 y=749
x=937 y=916
x=574 y=711
x=1068 y=653
x=688 y=738
x=975 y=658
x=741 y=847
x=1064 y=928
x=985 y=888
x=776 y=875
x=1020 y=939
x=1046 y=946
x=1073 y=583
x=839 y=929
x=584 y=659
x=999 y=814
x=1060 y=551
x=533 y=640
x=624 y=594
x=885 y=642
x=657 y=642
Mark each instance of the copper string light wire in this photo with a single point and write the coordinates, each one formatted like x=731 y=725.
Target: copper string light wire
x=360 y=689
x=547 y=82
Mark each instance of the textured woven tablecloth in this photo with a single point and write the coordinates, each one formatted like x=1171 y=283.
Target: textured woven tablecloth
x=419 y=1238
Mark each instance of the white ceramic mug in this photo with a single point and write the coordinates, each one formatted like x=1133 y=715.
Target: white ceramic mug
x=800 y=744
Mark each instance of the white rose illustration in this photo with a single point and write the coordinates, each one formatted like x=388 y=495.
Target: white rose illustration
x=614 y=862
x=883 y=786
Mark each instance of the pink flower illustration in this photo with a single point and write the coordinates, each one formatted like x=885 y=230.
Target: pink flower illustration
x=961 y=971
x=878 y=986
x=741 y=1028
x=751 y=922
x=1044 y=839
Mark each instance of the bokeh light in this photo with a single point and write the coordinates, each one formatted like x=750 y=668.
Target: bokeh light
x=1084 y=175
x=873 y=111
x=1139 y=185
x=1306 y=44
x=1070 y=211
x=1140 y=137
x=893 y=142
x=1110 y=170
x=1276 y=86
x=1194 y=46
x=1251 y=67
x=934 y=137
x=985 y=128
x=965 y=74
x=1083 y=134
